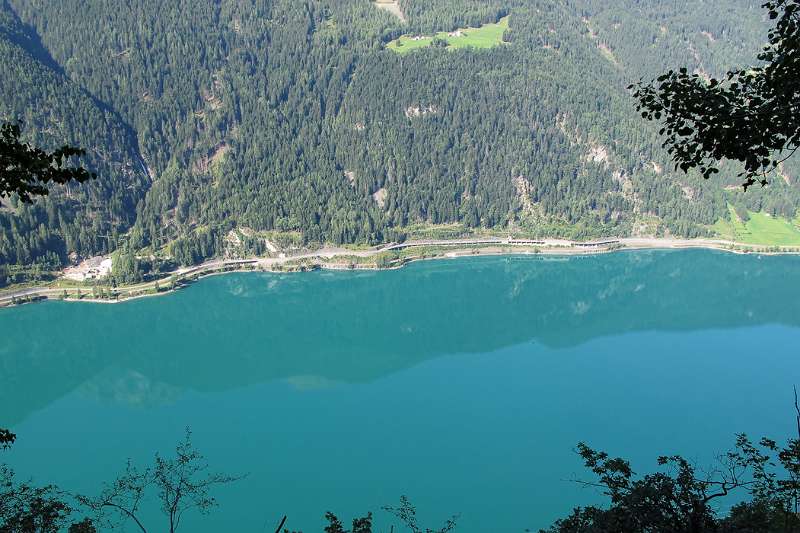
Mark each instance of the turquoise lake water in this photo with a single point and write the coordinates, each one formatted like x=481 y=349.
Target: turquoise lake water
x=463 y=384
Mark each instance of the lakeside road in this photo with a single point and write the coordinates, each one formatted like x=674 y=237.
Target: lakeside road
x=459 y=246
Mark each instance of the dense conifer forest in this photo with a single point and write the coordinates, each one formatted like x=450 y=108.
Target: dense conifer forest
x=292 y=116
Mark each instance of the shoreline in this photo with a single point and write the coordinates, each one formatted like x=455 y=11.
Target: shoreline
x=326 y=259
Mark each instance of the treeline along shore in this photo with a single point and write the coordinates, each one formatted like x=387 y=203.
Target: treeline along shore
x=392 y=255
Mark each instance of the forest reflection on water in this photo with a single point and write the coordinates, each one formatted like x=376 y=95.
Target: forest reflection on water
x=321 y=327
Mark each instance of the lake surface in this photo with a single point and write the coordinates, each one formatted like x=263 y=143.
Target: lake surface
x=464 y=384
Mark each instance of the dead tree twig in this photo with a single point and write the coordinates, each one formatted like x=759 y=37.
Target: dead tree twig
x=281 y=525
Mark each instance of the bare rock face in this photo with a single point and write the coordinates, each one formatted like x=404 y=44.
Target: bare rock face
x=415 y=111
x=380 y=197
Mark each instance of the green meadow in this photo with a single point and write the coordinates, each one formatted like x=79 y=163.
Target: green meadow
x=761 y=228
x=487 y=36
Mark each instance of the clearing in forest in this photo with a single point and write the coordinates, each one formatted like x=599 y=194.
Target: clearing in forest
x=487 y=36
x=760 y=228
x=393 y=7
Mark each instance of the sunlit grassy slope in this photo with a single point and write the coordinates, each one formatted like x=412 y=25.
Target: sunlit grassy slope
x=760 y=229
x=487 y=36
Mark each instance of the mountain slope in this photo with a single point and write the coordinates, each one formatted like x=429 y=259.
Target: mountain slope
x=292 y=116
x=83 y=219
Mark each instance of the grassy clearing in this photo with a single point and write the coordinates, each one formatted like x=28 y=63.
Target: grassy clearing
x=487 y=36
x=760 y=229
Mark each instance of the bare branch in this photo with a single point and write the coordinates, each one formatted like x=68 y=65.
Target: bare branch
x=280 y=526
